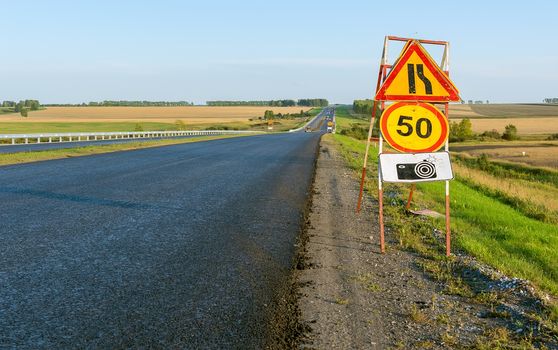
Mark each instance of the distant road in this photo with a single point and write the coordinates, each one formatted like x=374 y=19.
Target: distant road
x=181 y=246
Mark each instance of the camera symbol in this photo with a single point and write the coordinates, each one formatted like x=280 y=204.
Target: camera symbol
x=416 y=171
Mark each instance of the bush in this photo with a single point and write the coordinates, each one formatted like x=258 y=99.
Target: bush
x=461 y=131
x=356 y=131
x=493 y=134
x=510 y=133
x=553 y=137
x=138 y=127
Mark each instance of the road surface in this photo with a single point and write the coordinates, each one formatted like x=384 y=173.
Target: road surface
x=181 y=246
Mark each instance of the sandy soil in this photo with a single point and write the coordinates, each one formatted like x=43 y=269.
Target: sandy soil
x=191 y=114
x=353 y=297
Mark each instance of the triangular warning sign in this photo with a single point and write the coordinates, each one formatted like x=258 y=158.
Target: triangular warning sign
x=416 y=77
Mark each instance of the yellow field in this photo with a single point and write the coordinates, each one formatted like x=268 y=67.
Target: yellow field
x=525 y=126
x=190 y=115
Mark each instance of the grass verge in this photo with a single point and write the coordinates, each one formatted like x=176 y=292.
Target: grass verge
x=35 y=156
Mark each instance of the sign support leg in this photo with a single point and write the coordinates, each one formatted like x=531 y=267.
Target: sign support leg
x=448 y=228
x=408 y=206
x=381 y=200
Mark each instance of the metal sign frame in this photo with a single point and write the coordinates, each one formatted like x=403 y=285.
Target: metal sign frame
x=382 y=76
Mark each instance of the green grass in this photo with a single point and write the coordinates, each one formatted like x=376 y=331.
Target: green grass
x=498 y=234
x=28 y=157
x=344 y=118
x=482 y=225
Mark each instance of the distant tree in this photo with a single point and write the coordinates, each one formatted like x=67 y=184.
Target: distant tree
x=510 y=133
x=487 y=102
x=461 y=131
x=19 y=106
x=470 y=102
x=268 y=115
x=138 y=127
x=32 y=104
x=23 y=112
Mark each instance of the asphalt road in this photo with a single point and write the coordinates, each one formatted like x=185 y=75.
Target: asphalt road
x=180 y=246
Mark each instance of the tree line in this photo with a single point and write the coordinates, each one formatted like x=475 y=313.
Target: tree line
x=365 y=107
x=22 y=107
x=306 y=102
x=32 y=105
x=551 y=100
x=269 y=115
x=124 y=103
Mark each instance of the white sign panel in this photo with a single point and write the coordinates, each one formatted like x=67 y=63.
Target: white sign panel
x=415 y=167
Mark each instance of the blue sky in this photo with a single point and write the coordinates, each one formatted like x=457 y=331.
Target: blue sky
x=76 y=51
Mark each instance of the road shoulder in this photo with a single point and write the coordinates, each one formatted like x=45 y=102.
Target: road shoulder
x=353 y=297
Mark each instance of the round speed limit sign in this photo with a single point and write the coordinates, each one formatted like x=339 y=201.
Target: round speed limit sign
x=414 y=127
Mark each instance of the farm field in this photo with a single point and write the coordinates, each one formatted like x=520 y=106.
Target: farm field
x=530 y=119
x=73 y=119
x=540 y=154
x=511 y=110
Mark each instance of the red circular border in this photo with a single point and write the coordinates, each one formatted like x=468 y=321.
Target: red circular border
x=437 y=145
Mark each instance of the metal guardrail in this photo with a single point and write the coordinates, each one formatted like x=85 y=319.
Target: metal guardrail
x=99 y=136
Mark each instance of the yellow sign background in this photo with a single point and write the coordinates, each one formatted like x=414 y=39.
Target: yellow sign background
x=400 y=84
x=414 y=127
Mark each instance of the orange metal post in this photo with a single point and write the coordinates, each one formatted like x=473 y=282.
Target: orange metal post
x=408 y=206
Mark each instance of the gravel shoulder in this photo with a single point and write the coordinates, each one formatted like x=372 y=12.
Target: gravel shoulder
x=353 y=297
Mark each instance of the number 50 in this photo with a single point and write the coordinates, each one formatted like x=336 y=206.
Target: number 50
x=404 y=121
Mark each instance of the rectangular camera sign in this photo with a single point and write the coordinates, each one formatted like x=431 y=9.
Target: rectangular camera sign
x=415 y=167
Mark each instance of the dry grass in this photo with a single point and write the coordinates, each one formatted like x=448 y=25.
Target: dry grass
x=538 y=193
x=190 y=115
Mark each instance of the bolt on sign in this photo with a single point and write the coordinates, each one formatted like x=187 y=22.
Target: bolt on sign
x=413 y=125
